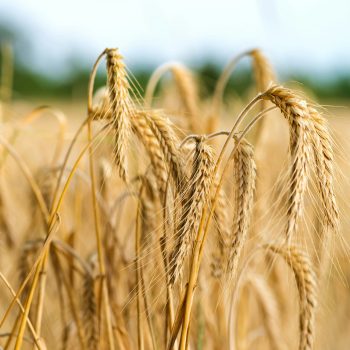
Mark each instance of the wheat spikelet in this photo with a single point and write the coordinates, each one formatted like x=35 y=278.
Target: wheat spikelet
x=4 y=226
x=163 y=131
x=264 y=73
x=295 y=110
x=101 y=107
x=89 y=309
x=23 y=263
x=155 y=122
x=153 y=148
x=68 y=333
x=57 y=273
x=148 y=212
x=189 y=95
x=46 y=182
x=244 y=182
x=185 y=85
x=105 y=174
x=201 y=177
x=269 y=307
x=223 y=232
x=323 y=156
x=26 y=258
x=264 y=76
x=305 y=278
x=121 y=106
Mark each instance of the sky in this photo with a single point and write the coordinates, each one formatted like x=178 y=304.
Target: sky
x=304 y=35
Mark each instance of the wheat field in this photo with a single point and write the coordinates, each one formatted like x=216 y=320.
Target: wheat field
x=165 y=220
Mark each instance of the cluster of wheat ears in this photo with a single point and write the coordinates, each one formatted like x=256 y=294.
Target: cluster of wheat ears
x=160 y=228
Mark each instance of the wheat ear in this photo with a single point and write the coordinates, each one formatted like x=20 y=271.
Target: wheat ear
x=305 y=278
x=4 y=226
x=121 y=107
x=264 y=77
x=163 y=130
x=269 y=307
x=264 y=73
x=324 y=160
x=153 y=148
x=148 y=212
x=189 y=94
x=244 y=180
x=89 y=309
x=198 y=191
x=186 y=86
x=295 y=110
x=223 y=232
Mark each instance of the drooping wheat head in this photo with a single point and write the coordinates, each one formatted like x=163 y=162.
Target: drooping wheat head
x=306 y=282
x=244 y=187
x=121 y=107
x=195 y=200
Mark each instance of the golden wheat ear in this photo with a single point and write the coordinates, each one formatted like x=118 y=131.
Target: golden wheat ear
x=194 y=202
x=263 y=70
x=89 y=311
x=324 y=161
x=244 y=187
x=187 y=88
x=121 y=107
x=222 y=232
x=152 y=146
x=306 y=281
x=4 y=226
x=296 y=112
x=270 y=311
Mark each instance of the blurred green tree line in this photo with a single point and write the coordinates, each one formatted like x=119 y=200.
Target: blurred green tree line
x=31 y=84
x=27 y=82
